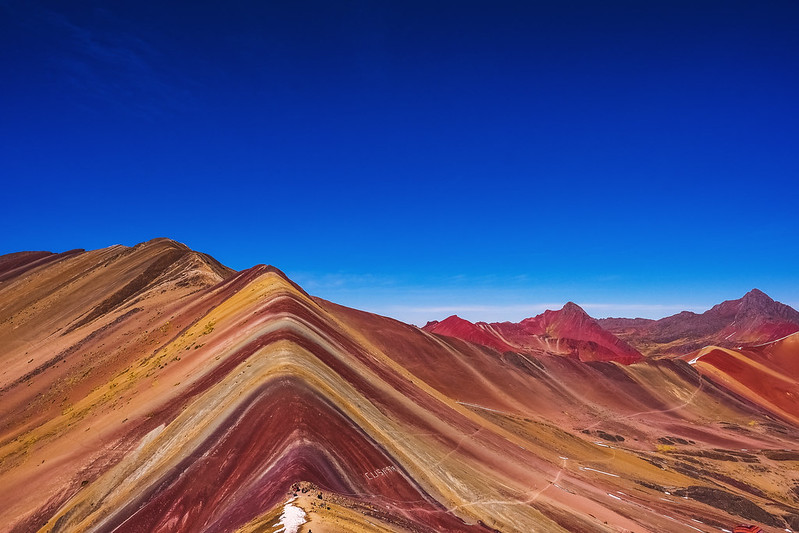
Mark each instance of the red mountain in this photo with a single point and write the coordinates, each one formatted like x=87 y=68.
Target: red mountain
x=569 y=332
x=480 y=333
x=753 y=319
x=765 y=374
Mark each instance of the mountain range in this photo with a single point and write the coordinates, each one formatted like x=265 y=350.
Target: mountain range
x=751 y=320
x=568 y=332
x=151 y=388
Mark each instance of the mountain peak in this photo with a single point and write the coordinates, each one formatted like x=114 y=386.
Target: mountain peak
x=571 y=308
x=162 y=242
x=453 y=319
x=757 y=304
x=455 y=326
x=757 y=292
x=756 y=296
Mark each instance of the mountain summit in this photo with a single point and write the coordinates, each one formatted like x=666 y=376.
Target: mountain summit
x=756 y=303
x=754 y=318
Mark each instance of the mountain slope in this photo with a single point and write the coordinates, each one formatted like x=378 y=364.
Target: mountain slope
x=569 y=332
x=220 y=406
x=766 y=374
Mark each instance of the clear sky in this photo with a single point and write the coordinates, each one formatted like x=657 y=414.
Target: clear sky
x=418 y=159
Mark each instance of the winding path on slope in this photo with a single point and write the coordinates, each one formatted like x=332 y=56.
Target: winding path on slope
x=565 y=460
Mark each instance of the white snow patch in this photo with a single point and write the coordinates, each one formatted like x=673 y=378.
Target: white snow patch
x=595 y=470
x=291 y=519
x=564 y=489
x=614 y=496
x=481 y=407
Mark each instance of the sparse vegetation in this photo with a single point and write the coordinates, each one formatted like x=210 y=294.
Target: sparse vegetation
x=209 y=327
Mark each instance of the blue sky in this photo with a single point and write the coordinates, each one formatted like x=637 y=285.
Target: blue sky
x=418 y=158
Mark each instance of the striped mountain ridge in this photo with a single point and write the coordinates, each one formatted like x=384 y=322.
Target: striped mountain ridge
x=152 y=389
x=766 y=374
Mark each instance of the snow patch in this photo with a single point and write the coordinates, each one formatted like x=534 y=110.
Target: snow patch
x=695 y=359
x=595 y=470
x=291 y=519
x=564 y=489
x=481 y=407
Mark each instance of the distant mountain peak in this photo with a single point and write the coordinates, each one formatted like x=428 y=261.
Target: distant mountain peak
x=453 y=319
x=756 y=303
x=571 y=309
x=756 y=298
x=455 y=326
x=757 y=293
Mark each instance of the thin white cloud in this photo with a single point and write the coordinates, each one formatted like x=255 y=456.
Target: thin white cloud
x=604 y=308
x=503 y=298
x=108 y=59
x=540 y=307
x=421 y=314
x=493 y=309
x=342 y=281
